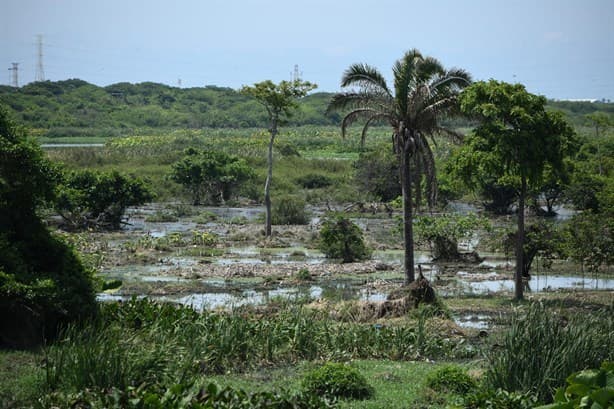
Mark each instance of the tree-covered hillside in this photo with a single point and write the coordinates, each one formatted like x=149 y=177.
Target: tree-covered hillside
x=64 y=107
x=75 y=107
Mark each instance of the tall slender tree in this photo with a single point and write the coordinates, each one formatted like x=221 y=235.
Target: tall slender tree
x=424 y=92
x=517 y=140
x=279 y=101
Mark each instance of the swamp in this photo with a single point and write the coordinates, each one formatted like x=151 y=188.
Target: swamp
x=195 y=306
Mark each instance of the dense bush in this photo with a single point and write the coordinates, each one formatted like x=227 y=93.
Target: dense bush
x=443 y=233
x=341 y=238
x=210 y=176
x=289 y=210
x=42 y=280
x=541 y=348
x=336 y=380
x=90 y=199
x=314 y=181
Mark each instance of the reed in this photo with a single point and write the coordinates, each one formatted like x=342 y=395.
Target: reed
x=542 y=347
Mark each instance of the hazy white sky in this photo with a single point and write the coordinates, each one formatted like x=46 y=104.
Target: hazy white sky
x=558 y=48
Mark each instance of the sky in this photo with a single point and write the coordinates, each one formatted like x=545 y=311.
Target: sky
x=563 y=49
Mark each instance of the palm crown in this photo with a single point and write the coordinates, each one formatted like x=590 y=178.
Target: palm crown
x=424 y=93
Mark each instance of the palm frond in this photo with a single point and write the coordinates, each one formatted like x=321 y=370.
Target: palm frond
x=357 y=114
x=354 y=100
x=365 y=128
x=366 y=77
x=404 y=71
x=428 y=68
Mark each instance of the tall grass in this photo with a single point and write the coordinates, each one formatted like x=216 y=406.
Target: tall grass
x=542 y=347
x=141 y=341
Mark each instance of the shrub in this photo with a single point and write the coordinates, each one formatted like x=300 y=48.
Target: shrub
x=335 y=380
x=289 y=210
x=314 y=181
x=341 y=238
x=99 y=199
x=210 y=175
x=451 y=379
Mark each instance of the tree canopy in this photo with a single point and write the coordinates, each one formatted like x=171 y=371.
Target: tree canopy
x=516 y=140
x=42 y=280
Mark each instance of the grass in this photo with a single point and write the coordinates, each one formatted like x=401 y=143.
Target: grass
x=397 y=384
x=21 y=376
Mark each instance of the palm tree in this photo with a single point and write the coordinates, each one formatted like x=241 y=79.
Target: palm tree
x=424 y=92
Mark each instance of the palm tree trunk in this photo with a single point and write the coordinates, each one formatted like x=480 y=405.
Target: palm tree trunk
x=267 y=184
x=418 y=184
x=408 y=233
x=520 y=242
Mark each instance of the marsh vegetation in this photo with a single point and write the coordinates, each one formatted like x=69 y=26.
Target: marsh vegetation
x=198 y=307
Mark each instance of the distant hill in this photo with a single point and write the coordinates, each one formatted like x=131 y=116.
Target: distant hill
x=64 y=108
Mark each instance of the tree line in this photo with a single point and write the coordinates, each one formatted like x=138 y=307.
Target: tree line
x=77 y=108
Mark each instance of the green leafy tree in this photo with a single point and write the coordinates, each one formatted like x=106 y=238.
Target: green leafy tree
x=42 y=280
x=91 y=199
x=279 y=101
x=515 y=140
x=444 y=232
x=343 y=239
x=542 y=239
x=210 y=174
x=424 y=92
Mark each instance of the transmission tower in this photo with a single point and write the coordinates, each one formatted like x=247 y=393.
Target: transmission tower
x=40 y=72
x=296 y=74
x=15 y=74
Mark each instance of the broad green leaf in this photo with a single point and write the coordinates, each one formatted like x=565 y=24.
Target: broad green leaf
x=603 y=396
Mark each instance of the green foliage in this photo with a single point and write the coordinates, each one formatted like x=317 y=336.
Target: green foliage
x=278 y=99
x=342 y=239
x=452 y=379
x=590 y=388
x=314 y=181
x=541 y=348
x=188 y=395
x=42 y=281
x=543 y=239
x=147 y=342
x=75 y=108
x=517 y=137
x=210 y=175
x=337 y=380
x=498 y=399
x=289 y=210
x=589 y=239
x=445 y=231
x=423 y=93
x=99 y=199
x=377 y=173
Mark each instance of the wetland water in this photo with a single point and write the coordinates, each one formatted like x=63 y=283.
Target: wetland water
x=246 y=270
